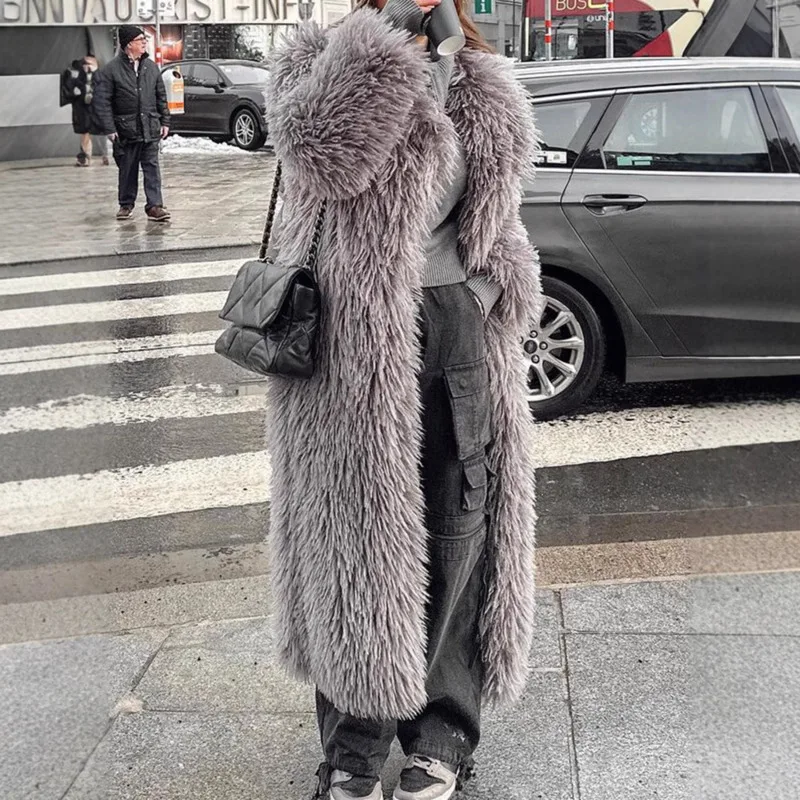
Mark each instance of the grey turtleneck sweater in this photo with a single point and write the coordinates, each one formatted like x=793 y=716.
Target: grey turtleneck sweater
x=443 y=265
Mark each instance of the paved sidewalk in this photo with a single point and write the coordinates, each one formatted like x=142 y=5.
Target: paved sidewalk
x=676 y=689
x=217 y=196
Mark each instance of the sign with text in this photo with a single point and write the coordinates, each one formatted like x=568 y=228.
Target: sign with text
x=483 y=6
x=585 y=8
x=119 y=12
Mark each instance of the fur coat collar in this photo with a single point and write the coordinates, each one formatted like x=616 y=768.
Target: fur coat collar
x=353 y=121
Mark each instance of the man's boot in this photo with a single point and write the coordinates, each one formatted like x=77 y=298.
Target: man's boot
x=157 y=213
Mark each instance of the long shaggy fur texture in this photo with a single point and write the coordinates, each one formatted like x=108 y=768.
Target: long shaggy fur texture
x=353 y=122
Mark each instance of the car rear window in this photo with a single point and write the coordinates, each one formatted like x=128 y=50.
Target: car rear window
x=244 y=73
x=697 y=130
x=559 y=124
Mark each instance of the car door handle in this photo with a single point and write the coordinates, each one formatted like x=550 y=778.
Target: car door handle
x=605 y=203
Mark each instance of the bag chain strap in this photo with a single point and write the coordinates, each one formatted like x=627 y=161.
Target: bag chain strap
x=313 y=250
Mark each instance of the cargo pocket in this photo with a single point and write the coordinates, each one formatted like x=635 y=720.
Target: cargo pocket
x=468 y=391
x=473 y=491
x=154 y=125
x=125 y=126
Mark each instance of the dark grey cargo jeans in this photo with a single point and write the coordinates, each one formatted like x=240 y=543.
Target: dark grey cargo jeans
x=455 y=397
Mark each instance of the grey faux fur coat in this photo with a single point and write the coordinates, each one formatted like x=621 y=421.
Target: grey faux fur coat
x=352 y=119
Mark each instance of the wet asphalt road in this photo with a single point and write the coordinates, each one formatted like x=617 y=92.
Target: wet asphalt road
x=131 y=456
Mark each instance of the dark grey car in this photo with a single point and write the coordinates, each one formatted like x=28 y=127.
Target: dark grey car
x=667 y=215
x=224 y=100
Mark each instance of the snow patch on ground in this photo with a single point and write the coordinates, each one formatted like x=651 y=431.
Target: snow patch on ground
x=201 y=146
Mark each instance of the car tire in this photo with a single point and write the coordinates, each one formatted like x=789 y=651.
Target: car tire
x=246 y=130
x=573 y=371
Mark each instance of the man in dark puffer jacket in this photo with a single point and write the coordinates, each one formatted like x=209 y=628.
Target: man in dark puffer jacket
x=130 y=104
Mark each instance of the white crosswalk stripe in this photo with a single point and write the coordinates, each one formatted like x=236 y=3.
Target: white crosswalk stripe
x=170 y=402
x=606 y=436
x=17 y=361
x=116 y=277
x=108 y=311
x=133 y=493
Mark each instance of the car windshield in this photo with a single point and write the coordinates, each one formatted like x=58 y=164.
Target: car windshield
x=244 y=73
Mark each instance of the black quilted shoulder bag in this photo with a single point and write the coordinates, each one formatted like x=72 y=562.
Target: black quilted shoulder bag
x=274 y=309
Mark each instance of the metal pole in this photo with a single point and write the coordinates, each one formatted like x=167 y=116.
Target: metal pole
x=610 y=26
x=513 y=28
x=548 y=29
x=158 y=34
x=776 y=29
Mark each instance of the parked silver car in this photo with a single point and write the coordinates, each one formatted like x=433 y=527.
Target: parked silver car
x=667 y=214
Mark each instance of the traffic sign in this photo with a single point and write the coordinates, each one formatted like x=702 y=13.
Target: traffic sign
x=483 y=6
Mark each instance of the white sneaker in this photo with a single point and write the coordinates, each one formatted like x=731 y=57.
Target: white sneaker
x=426 y=778
x=340 y=791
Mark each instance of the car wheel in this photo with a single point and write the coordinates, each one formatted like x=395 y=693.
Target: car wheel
x=565 y=351
x=247 y=131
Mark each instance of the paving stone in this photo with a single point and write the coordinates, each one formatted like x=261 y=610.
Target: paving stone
x=745 y=604
x=144 y=608
x=672 y=716
x=56 y=699
x=186 y=756
x=222 y=666
x=524 y=750
x=215 y=198
x=656 y=607
x=545 y=652
x=231 y=665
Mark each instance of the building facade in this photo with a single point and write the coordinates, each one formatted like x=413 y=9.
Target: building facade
x=663 y=28
x=40 y=38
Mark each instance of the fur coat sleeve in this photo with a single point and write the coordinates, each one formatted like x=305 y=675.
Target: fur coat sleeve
x=328 y=110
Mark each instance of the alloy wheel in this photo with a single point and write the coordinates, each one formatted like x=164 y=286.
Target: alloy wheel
x=554 y=351
x=244 y=130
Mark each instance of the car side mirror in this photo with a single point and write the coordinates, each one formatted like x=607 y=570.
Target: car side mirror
x=219 y=87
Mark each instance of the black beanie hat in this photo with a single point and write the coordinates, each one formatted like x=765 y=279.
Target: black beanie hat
x=127 y=33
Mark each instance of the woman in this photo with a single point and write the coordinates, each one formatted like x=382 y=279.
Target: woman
x=402 y=511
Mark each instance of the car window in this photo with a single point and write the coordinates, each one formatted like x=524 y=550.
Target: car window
x=791 y=102
x=698 y=130
x=244 y=73
x=202 y=75
x=559 y=124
